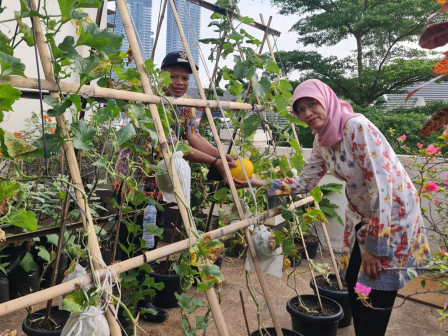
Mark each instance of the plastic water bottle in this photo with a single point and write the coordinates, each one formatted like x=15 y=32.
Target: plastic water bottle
x=149 y=217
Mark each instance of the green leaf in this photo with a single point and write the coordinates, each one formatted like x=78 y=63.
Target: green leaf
x=412 y=273
x=201 y=323
x=289 y=248
x=76 y=100
x=24 y=219
x=53 y=144
x=11 y=65
x=250 y=125
x=272 y=67
x=16 y=146
x=124 y=134
x=8 y=95
x=331 y=187
x=235 y=88
x=28 y=36
x=59 y=108
x=221 y=194
x=109 y=112
x=85 y=67
x=27 y=263
x=66 y=7
x=137 y=110
x=53 y=239
x=84 y=134
x=43 y=253
x=241 y=70
x=8 y=189
x=67 y=46
x=4 y=44
x=106 y=40
x=89 y=3
x=260 y=86
x=316 y=193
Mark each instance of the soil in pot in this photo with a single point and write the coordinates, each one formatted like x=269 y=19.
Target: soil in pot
x=272 y=332
x=165 y=298
x=43 y=327
x=324 y=322
x=312 y=243
x=331 y=289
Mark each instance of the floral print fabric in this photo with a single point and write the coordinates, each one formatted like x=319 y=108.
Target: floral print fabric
x=380 y=195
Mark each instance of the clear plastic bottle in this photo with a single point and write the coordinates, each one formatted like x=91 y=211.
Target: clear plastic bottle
x=149 y=217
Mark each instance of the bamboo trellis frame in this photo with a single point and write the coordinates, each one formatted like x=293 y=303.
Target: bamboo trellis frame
x=147 y=97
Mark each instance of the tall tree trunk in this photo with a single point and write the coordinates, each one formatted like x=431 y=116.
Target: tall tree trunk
x=359 y=52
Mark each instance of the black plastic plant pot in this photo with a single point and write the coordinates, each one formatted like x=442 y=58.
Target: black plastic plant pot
x=59 y=316
x=311 y=247
x=340 y=297
x=4 y=285
x=272 y=332
x=309 y=325
x=165 y=298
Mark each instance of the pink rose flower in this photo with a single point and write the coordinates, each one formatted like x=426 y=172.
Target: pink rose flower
x=419 y=145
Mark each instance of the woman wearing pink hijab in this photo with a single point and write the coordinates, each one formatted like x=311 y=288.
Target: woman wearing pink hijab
x=384 y=226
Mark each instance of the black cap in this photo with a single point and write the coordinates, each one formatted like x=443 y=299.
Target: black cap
x=177 y=58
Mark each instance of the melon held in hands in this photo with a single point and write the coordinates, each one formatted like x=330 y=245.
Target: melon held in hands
x=237 y=172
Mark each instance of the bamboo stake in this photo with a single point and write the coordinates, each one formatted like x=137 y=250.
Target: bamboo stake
x=316 y=204
x=296 y=219
x=211 y=295
x=159 y=26
x=230 y=180
x=71 y=159
x=123 y=266
x=263 y=114
x=330 y=248
x=185 y=213
x=234 y=133
x=97 y=92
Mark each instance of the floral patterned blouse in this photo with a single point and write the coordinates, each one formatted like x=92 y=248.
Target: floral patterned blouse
x=380 y=195
x=185 y=124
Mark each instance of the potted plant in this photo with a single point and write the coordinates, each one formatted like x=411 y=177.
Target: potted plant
x=328 y=286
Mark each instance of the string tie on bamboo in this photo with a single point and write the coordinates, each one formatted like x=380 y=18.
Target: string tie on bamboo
x=110 y=280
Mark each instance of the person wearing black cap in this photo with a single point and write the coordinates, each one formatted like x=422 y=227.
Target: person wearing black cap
x=202 y=151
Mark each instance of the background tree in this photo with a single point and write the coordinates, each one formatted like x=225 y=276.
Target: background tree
x=382 y=61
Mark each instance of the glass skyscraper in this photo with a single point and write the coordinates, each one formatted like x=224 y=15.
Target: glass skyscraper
x=141 y=13
x=190 y=18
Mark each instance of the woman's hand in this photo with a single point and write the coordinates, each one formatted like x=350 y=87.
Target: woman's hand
x=371 y=265
x=254 y=182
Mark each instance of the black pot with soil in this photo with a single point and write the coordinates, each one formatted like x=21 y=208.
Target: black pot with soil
x=322 y=323
x=312 y=243
x=165 y=298
x=34 y=325
x=272 y=332
x=331 y=289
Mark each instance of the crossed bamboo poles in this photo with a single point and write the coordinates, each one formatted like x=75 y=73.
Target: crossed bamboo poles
x=184 y=211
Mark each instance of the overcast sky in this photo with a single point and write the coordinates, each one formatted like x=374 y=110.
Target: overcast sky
x=287 y=41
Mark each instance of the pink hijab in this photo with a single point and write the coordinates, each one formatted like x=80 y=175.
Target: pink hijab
x=338 y=111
